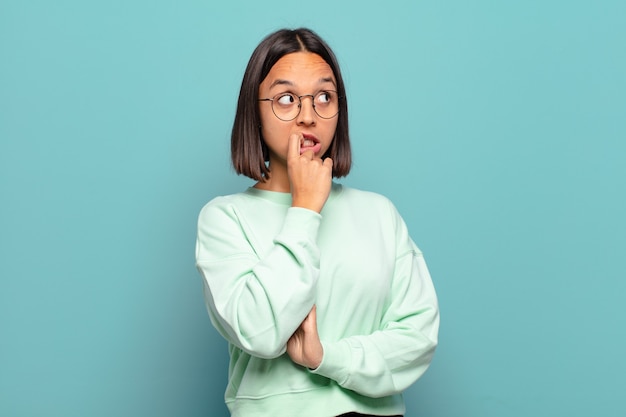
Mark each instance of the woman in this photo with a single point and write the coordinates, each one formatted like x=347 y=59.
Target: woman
x=326 y=302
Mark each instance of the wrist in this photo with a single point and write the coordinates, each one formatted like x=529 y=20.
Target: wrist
x=307 y=205
x=317 y=360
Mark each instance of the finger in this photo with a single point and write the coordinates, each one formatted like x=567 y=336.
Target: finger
x=328 y=162
x=306 y=320
x=313 y=315
x=311 y=320
x=308 y=154
x=293 y=150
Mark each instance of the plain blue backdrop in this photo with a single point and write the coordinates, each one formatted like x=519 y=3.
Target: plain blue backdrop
x=497 y=128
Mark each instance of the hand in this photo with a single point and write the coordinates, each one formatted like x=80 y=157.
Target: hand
x=310 y=178
x=304 y=346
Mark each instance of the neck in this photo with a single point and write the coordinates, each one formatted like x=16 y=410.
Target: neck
x=277 y=180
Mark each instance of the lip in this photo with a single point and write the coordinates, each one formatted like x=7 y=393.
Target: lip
x=309 y=138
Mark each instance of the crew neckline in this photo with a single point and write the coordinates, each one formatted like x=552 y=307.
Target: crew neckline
x=285 y=198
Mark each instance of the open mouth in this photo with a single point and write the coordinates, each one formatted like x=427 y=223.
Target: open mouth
x=309 y=141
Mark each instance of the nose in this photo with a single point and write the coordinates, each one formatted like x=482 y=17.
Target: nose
x=307 y=113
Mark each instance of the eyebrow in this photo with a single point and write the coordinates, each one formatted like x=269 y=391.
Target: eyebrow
x=280 y=81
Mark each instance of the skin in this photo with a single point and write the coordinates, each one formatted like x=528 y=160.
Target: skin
x=304 y=347
x=297 y=168
x=300 y=172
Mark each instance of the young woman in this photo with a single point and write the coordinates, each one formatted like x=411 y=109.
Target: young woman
x=324 y=299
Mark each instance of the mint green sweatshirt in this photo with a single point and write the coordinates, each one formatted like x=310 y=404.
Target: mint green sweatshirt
x=265 y=264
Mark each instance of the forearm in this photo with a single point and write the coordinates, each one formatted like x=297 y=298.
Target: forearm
x=381 y=364
x=257 y=300
x=394 y=356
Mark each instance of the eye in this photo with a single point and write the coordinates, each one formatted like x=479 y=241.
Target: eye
x=324 y=97
x=285 y=99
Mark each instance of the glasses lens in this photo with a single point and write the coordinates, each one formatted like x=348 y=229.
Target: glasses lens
x=326 y=104
x=286 y=106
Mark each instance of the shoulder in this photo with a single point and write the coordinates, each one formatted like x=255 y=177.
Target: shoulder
x=375 y=208
x=366 y=200
x=221 y=206
x=379 y=211
x=224 y=200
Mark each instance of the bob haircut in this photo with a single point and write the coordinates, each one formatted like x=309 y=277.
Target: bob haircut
x=249 y=152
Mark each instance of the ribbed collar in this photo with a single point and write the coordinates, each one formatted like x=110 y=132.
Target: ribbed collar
x=285 y=198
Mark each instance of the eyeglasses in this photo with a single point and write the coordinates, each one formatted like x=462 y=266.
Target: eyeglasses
x=287 y=106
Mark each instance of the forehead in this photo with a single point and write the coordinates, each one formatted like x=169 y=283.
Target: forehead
x=299 y=69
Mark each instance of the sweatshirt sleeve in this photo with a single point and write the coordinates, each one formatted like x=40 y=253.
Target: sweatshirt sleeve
x=257 y=301
x=393 y=357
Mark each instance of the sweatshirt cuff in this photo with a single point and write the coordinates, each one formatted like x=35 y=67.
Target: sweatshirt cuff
x=335 y=362
x=300 y=221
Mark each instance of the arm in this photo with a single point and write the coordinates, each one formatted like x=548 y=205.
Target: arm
x=255 y=303
x=401 y=346
x=389 y=360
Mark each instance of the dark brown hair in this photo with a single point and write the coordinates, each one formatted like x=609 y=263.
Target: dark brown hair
x=248 y=150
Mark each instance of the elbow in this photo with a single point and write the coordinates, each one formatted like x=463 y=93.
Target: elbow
x=245 y=334
x=263 y=350
x=265 y=345
x=268 y=348
x=262 y=344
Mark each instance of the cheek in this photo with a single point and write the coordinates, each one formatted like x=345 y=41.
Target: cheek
x=332 y=129
x=271 y=130
x=267 y=127
x=265 y=120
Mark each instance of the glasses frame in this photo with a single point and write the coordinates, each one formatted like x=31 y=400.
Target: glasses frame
x=271 y=100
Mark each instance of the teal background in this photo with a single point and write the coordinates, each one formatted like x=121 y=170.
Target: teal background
x=497 y=128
